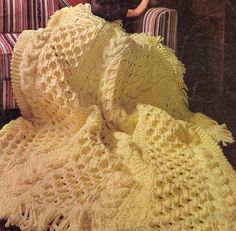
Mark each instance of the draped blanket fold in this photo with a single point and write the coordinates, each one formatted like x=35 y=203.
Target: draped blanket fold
x=106 y=140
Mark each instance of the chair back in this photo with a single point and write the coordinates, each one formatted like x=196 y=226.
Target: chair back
x=19 y=15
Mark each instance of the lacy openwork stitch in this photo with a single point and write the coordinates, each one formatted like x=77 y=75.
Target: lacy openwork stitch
x=106 y=141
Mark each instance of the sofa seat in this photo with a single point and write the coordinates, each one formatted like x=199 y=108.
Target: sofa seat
x=7 y=42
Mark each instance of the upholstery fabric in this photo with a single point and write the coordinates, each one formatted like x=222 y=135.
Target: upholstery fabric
x=76 y=2
x=63 y=3
x=7 y=42
x=18 y=15
x=158 y=21
x=47 y=8
x=7 y=99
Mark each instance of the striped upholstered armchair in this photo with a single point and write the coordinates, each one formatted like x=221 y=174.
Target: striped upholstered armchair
x=158 y=21
x=18 y=15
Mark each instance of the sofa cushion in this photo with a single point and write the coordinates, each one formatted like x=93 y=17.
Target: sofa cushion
x=18 y=15
x=7 y=42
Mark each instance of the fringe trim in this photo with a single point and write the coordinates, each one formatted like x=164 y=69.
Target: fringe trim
x=82 y=219
x=219 y=133
x=211 y=145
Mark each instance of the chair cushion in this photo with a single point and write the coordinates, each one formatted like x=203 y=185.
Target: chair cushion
x=157 y=22
x=47 y=8
x=18 y=15
x=7 y=100
x=7 y=42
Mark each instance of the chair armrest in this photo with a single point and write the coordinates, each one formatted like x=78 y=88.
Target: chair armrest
x=158 y=21
x=63 y=3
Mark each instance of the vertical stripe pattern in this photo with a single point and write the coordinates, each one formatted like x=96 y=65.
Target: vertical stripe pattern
x=18 y=15
x=33 y=14
x=7 y=42
x=47 y=8
x=63 y=3
x=159 y=21
x=7 y=100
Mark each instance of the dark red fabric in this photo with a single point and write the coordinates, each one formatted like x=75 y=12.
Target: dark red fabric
x=75 y=2
x=112 y=9
x=109 y=9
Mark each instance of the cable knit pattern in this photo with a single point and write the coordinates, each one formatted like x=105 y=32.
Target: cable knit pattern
x=106 y=141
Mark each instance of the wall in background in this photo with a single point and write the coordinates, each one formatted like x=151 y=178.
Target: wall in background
x=207 y=47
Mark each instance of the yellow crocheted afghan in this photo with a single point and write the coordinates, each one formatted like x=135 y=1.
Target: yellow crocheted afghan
x=106 y=141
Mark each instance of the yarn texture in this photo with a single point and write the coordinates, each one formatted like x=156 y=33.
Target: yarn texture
x=106 y=141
